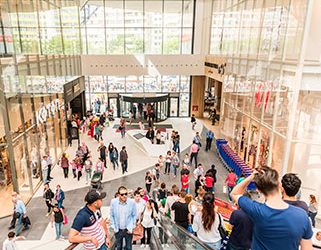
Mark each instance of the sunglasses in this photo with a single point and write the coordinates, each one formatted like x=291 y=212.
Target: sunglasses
x=124 y=194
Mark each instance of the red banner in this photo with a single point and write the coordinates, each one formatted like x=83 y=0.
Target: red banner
x=225 y=208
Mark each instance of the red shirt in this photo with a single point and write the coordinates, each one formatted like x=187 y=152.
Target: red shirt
x=209 y=181
x=184 y=181
x=231 y=179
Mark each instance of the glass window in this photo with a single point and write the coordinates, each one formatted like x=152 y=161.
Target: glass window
x=134 y=41
x=71 y=41
x=153 y=13
x=97 y=84
x=133 y=84
x=172 y=13
x=171 y=42
x=170 y=83
x=51 y=41
x=115 y=41
x=183 y=104
x=153 y=41
x=184 y=84
x=94 y=14
x=134 y=15
x=114 y=13
x=69 y=16
x=116 y=83
x=96 y=41
x=152 y=84
x=187 y=41
x=5 y=183
x=188 y=7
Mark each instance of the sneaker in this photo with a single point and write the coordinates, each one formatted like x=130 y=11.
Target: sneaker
x=48 y=214
x=25 y=228
x=142 y=246
x=166 y=245
x=11 y=227
x=163 y=245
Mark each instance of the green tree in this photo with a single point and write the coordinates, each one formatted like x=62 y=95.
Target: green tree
x=171 y=46
x=116 y=46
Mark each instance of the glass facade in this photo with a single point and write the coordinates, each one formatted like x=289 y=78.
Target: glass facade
x=100 y=87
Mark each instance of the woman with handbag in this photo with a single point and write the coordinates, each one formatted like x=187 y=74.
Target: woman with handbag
x=148 y=221
x=208 y=224
x=58 y=218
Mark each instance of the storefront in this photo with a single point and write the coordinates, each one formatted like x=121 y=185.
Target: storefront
x=31 y=125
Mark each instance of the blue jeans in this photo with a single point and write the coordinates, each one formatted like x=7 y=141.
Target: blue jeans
x=167 y=167
x=58 y=229
x=312 y=216
x=120 y=235
x=186 y=190
x=214 y=245
x=176 y=148
x=175 y=169
x=19 y=225
x=60 y=204
x=103 y=247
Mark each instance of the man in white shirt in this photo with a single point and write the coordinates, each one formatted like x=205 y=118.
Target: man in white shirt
x=140 y=204
x=170 y=201
x=10 y=242
x=198 y=171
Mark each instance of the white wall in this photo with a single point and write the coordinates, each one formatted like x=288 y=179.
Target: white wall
x=142 y=65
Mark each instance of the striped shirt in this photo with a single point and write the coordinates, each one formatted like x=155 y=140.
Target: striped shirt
x=89 y=224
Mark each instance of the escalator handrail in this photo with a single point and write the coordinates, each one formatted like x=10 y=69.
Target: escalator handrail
x=190 y=235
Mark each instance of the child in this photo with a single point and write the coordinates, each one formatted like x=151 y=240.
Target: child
x=10 y=242
x=185 y=183
x=74 y=168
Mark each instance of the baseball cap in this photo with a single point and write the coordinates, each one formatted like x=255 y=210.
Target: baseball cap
x=94 y=195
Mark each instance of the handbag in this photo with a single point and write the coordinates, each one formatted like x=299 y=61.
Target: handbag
x=17 y=215
x=138 y=232
x=65 y=221
x=221 y=229
x=224 y=189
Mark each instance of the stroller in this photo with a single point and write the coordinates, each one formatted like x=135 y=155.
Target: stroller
x=96 y=181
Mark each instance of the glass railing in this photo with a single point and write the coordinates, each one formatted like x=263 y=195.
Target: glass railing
x=176 y=236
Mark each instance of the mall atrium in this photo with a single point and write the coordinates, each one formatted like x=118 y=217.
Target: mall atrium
x=249 y=70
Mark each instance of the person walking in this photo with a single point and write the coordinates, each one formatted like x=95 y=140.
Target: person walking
x=48 y=195
x=148 y=181
x=59 y=196
x=79 y=168
x=89 y=227
x=176 y=142
x=171 y=200
x=313 y=209
x=158 y=136
x=49 y=164
x=186 y=160
x=20 y=213
x=185 y=183
x=198 y=184
x=197 y=138
x=148 y=221
x=123 y=158
x=175 y=162
x=114 y=157
x=64 y=164
x=230 y=181
x=212 y=171
x=168 y=162
x=88 y=168
x=150 y=134
x=123 y=216
x=122 y=127
x=99 y=168
x=14 y=196
x=193 y=121
x=209 y=139
x=57 y=217
x=102 y=153
x=44 y=167
x=209 y=183
x=194 y=153
x=206 y=223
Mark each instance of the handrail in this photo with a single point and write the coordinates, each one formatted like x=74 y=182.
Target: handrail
x=190 y=235
x=72 y=246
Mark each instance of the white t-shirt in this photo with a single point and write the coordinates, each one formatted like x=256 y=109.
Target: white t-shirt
x=9 y=244
x=207 y=236
x=147 y=218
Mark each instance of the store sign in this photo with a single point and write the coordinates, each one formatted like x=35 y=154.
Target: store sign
x=77 y=88
x=195 y=108
x=48 y=110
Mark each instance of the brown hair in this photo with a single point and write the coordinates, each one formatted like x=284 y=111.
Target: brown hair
x=312 y=198
x=188 y=198
x=208 y=213
x=267 y=180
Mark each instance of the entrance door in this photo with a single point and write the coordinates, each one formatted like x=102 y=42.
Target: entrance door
x=114 y=105
x=173 y=106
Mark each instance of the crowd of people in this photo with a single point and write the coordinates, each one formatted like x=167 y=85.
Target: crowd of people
x=283 y=221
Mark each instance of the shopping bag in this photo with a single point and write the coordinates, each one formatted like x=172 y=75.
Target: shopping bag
x=224 y=189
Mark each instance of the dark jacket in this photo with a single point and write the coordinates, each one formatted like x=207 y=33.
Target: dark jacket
x=123 y=156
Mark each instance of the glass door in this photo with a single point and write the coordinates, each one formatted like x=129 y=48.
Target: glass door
x=173 y=106
x=113 y=105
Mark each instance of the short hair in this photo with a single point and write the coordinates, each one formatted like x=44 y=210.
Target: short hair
x=266 y=180
x=123 y=147
x=175 y=190
x=11 y=234
x=291 y=184
x=121 y=188
x=182 y=194
x=136 y=193
x=163 y=185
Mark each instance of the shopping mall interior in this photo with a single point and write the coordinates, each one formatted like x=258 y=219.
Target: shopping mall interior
x=249 y=70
